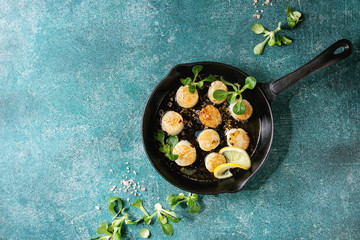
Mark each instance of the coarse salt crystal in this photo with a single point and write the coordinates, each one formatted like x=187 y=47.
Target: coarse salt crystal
x=97 y=208
x=111 y=170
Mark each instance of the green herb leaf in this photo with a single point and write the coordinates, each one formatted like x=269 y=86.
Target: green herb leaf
x=129 y=222
x=167 y=229
x=291 y=24
x=185 y=81
x=172 y=141
x=257 y=28
x=190 y=202
x=111 y=228
x=288 y=10
x=210 y=78
x=111 y=208
x=103 y=228
x=192 y=88
x=196 y=69
x=117 y=223
x=294 y=17
x=116 y=235
x=167 y=148
x=163 y=150
x=194 y=196
x=250 y=82
x=112 y=202
x=286 y=40
x=147 y=219
x=162 y=219
x=172 y=217
x=231 y=98
x=200 y=85
x=272 y=41
x=172 y=157
x=171 y=199
x=220 y=94
x=258 y=49
x=160 y=136
x=239 y=108
x=194 y=208
x=138 y=204
x=144 y=233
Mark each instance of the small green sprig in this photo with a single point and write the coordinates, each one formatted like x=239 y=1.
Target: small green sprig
x=235 y=96
x=273 y=39
x=192 y=84
x=293 y=17
x=169 y=146
x=163 y=216
x=113 y=231
x=190 y=200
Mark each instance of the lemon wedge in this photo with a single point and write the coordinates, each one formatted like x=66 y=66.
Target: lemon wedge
x=223 y=171
x=236 y=155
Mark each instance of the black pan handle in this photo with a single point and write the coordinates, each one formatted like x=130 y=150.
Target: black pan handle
x=326 y=58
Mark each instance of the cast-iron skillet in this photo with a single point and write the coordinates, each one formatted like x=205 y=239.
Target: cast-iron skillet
x=260 y=98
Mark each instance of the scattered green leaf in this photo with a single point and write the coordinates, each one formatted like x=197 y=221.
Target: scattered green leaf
x=271 y=38
x=294 y=17
x=144 y=233
x=138 y=204
x=192 y=84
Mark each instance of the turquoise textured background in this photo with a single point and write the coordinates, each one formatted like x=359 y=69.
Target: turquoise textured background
x=74 y=79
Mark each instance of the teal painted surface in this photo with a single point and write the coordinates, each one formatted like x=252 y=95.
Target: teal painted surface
x=74 y=78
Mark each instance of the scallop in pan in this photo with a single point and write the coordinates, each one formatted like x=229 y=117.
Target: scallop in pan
x=210 y=116
x=213 y=160
x=208 y=139
x=237 y=137
x=186 y=152
x=172 y=123
x=186 y=99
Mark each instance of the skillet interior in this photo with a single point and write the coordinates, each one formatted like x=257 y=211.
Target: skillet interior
x=261 y=136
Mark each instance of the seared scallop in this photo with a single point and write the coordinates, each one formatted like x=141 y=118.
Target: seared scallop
x=186 y=99
x=210 y=116
x=186 y=152
x=213 y=160
x=217 y=85
x=246 y=115
x=172 y=123
x=208 y=139
x=237 y=137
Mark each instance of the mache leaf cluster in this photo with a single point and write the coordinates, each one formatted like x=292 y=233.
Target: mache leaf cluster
x=192 y=83
x=164 y=216
x=169 y=146
x=236 y=95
